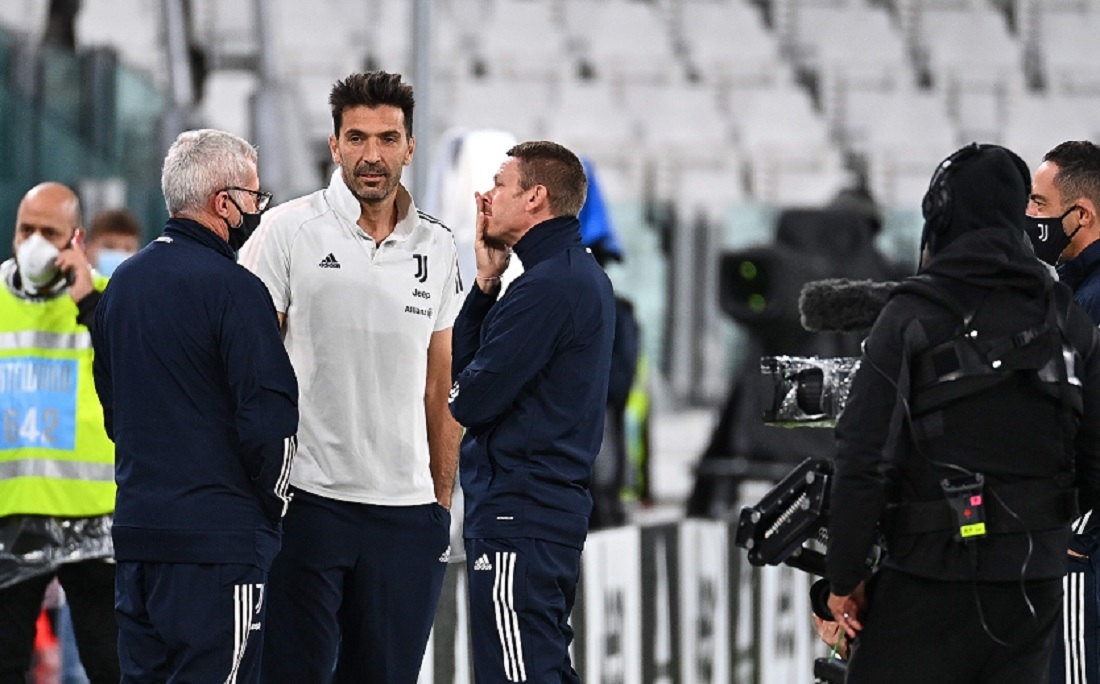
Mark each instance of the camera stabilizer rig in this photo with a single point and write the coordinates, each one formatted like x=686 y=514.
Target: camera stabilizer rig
x=790 y=525
x=793 y=513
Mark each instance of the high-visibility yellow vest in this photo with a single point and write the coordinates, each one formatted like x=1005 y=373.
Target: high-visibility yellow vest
x=55 y=457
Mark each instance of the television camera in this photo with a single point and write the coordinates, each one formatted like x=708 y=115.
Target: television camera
x=790 y=523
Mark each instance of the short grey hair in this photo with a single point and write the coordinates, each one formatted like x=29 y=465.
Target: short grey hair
x=201 y=162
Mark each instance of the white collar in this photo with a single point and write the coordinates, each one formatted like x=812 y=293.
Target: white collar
x=347 y=207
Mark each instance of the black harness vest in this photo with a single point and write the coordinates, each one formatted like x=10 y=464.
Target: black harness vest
x=970 y=363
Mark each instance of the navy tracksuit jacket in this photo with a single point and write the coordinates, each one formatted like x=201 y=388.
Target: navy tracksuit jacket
x=201 y=401
x=531 y=374
x=199 y=397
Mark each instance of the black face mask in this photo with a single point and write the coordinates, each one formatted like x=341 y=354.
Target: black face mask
x=1048 y=236
x=239 y=234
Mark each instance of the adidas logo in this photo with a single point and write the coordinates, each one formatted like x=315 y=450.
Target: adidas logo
x=329 y=262
x=483 y=563
x=446 y=557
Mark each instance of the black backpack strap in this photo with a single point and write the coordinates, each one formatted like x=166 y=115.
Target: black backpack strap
x=968 y=363
x=953 y=369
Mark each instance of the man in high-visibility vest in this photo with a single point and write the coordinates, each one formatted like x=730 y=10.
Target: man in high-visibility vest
x=57 y=490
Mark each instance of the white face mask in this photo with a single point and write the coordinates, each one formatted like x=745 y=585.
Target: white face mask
x=36 y=260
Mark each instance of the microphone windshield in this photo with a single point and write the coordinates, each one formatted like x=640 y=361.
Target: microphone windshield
x=841 y=305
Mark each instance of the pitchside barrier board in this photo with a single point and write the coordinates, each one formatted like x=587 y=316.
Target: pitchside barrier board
x=674 y=603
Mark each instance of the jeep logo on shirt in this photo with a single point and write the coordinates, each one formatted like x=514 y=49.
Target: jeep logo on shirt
x=422 y=294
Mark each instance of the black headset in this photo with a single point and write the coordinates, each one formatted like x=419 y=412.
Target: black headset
x=936 y=205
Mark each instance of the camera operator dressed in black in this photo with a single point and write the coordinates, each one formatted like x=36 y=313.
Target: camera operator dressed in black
x=973 y=418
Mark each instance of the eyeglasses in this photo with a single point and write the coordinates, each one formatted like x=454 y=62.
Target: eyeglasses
x=263 y=199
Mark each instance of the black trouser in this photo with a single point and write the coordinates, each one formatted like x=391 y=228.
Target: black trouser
x=918 y=630
x=90 y=591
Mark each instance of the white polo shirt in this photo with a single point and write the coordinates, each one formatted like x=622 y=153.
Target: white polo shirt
x=359 y=317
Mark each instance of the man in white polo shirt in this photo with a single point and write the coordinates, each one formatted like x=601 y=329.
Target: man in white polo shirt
x=367 y=289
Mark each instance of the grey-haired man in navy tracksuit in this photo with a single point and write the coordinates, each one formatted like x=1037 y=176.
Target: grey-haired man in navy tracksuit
x=200 y=398
x=531 y=371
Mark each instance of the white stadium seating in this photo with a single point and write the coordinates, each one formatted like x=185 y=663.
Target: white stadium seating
x=754 y=100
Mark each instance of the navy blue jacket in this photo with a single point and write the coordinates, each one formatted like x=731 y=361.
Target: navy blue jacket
x=201 y=401
x=1082 y=274
x=531 y=373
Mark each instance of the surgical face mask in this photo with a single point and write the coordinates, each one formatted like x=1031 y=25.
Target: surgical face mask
x=1048 y=237
x=36 y=256
x=107 y=260
x=239 y=234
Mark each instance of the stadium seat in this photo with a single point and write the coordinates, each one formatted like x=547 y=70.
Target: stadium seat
x=850 y=104
x=791 y=157
x=1067 y=66
x=981 y=114
x=1036 y=123
x=518 y=106
x=946 y=45
x=620 y=182
x=589 y=117
x=623 y=40
x=712 y=191
x=315 y=24
x=523 y=39
x=784 y=177
x=777 y=117
x=857 y=40
x=591 y=109
x=226 y=103
x=728 y=44
x=681 y=120
x=906 y=137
